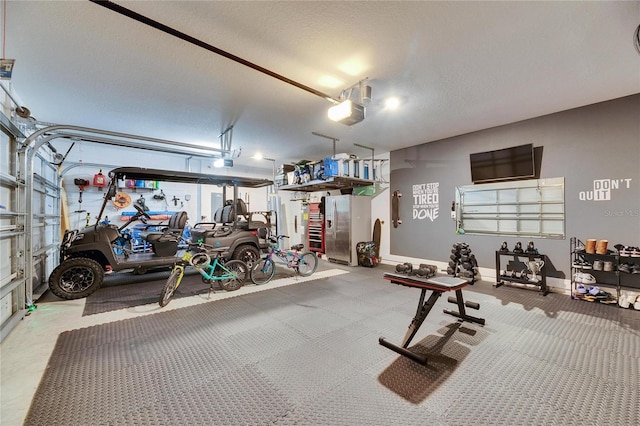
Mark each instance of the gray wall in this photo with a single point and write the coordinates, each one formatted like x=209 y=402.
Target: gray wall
x=600 y=141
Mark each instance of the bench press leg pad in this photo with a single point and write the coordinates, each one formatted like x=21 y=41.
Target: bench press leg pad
x=461 y=312
x=470 y=305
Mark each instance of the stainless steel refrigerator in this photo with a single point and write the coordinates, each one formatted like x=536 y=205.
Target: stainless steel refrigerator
x=347 y=221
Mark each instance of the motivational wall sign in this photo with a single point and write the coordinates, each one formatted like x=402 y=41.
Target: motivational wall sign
x=426 y=201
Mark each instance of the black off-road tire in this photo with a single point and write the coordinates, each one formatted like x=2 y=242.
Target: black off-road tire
x=76 y=278
x=140 y=270
x=247 y=254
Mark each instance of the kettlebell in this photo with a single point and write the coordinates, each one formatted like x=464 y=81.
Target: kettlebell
x=518 y=247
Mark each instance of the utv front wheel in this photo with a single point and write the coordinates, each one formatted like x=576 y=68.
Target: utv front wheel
x=140 y=270
x=247 y=254
x=76 y=278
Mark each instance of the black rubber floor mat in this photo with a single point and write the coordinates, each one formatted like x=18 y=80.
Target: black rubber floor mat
x=415 y=382
x=308 y=354
x=125 y=290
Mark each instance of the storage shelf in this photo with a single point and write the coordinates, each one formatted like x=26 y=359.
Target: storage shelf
x=336 y=182
x=613 y=279
x=542 y=274
x=517 y=280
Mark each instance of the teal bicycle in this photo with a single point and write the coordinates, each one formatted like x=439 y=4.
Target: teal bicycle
x=230 y=275
x=304 y=263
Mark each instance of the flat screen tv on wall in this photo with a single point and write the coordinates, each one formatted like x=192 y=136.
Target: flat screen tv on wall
x=503 y=164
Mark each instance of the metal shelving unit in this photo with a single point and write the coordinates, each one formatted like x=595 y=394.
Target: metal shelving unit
x=613 y=278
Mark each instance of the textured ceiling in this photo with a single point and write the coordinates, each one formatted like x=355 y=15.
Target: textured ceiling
x=457 y=67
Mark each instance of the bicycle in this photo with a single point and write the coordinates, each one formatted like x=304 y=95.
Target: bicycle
x=304 y=263
x=231 y=275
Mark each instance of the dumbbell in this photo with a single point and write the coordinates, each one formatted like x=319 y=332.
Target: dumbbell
x=518 y=247
x=468 y=274
x=421 y=272
x=433 y=268
x=404 y=268
x=425 y=270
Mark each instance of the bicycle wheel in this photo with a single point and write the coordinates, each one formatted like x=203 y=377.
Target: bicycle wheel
x=234 y=272
x=307 y=264
x=170 y=286
x=263 y=271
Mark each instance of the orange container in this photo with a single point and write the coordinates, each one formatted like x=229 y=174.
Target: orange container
x=601 y=247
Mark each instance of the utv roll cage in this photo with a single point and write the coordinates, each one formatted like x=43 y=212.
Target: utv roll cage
x=140 y=173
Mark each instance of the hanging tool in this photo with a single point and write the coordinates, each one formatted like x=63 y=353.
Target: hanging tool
x=175 y=201
x=162 y=197
x=159 y=196
x=142 y=203
x=122 y=200
x=99 y=180
x=80 y=183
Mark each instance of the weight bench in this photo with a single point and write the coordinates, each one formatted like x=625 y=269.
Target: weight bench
x=437 y=285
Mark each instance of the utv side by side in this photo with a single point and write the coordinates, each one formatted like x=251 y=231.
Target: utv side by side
x=85 y=255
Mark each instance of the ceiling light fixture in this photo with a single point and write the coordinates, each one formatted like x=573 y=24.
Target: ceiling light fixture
x=347 y=111
x=392 y=103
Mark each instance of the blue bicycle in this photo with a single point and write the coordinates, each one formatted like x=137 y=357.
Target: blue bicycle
x=304 y=263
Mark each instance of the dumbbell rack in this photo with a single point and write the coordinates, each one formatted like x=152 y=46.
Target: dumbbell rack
x=463 y=263
x=513 y=276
